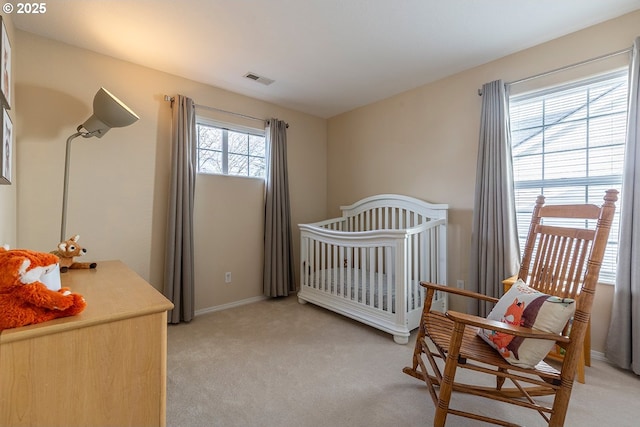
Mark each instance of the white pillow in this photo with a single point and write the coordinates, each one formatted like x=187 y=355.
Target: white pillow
x=524 y=306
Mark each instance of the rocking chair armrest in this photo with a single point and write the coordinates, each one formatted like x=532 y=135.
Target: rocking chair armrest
x=463 y=292
x=521 y=331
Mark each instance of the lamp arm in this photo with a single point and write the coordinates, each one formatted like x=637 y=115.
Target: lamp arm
x=66 y=185
x=108 y=112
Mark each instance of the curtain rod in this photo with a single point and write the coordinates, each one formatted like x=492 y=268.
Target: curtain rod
x=566 y=67
x=206 y=107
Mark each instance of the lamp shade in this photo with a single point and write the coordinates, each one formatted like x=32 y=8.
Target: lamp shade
x=108 y=112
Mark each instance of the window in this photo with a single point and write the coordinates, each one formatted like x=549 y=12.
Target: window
x=222 y=150
x=568 y=144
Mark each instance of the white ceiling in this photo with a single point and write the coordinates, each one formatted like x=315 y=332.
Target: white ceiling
x=326 y=56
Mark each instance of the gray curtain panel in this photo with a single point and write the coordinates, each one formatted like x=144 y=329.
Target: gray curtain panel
x=179 y=262
x=623 y=340
x=495 y=251
x=278 y=274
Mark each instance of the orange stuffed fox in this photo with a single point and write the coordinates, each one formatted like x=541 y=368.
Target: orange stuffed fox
x=24 y=299
x=512 y=316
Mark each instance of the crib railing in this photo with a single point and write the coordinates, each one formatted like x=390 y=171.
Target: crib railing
x=374 y=268
x=390 y=212
x=384 y=218
x=362 y=270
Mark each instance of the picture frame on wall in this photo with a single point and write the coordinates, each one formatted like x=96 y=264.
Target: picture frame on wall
x=6 y=149
x=5 y=66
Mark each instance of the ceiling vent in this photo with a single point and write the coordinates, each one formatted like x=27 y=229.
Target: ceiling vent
x=253 y=76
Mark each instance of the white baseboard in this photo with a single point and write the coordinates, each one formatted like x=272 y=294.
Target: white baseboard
x=229 y=305
x=597 y=355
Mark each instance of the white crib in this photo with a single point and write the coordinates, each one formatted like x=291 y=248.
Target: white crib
x=368 y=264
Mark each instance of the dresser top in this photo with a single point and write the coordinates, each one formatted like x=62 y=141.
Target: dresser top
x=113 y=292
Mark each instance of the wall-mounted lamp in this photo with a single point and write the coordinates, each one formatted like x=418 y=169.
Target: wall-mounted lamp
x=108 y=112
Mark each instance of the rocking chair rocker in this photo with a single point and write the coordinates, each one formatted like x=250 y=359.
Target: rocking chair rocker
x=559 y=260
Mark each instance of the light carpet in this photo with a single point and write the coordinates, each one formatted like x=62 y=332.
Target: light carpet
x=280 y=363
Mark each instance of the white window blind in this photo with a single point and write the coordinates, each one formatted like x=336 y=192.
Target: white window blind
x=568 y=144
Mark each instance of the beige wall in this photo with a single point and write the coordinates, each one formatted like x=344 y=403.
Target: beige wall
x=8 y=193
x=118 y=184
x=423 y=142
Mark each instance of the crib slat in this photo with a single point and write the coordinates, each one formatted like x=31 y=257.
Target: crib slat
x=356 y=275
x=323 y=266
x=391 y=275
x=341 y=268
x=393 y=219
x=379 y=278
x=349 y=275
x=409 y=267
x=414 y=301
x=316 y=245
x=304 y=264
x=334 y=270
x=370 y=284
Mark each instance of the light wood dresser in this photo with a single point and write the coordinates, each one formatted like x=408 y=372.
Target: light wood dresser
x=103 y=367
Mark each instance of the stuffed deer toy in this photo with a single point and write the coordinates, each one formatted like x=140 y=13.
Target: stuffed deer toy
x=67 y=251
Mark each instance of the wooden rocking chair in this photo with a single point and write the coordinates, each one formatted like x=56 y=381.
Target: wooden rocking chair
x=557 y=260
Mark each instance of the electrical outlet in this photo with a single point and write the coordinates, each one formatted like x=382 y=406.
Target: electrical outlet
x=460 y=284
x=227 y=277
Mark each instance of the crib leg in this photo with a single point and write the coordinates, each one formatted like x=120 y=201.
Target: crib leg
x=400 y=339
x=301 y=301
